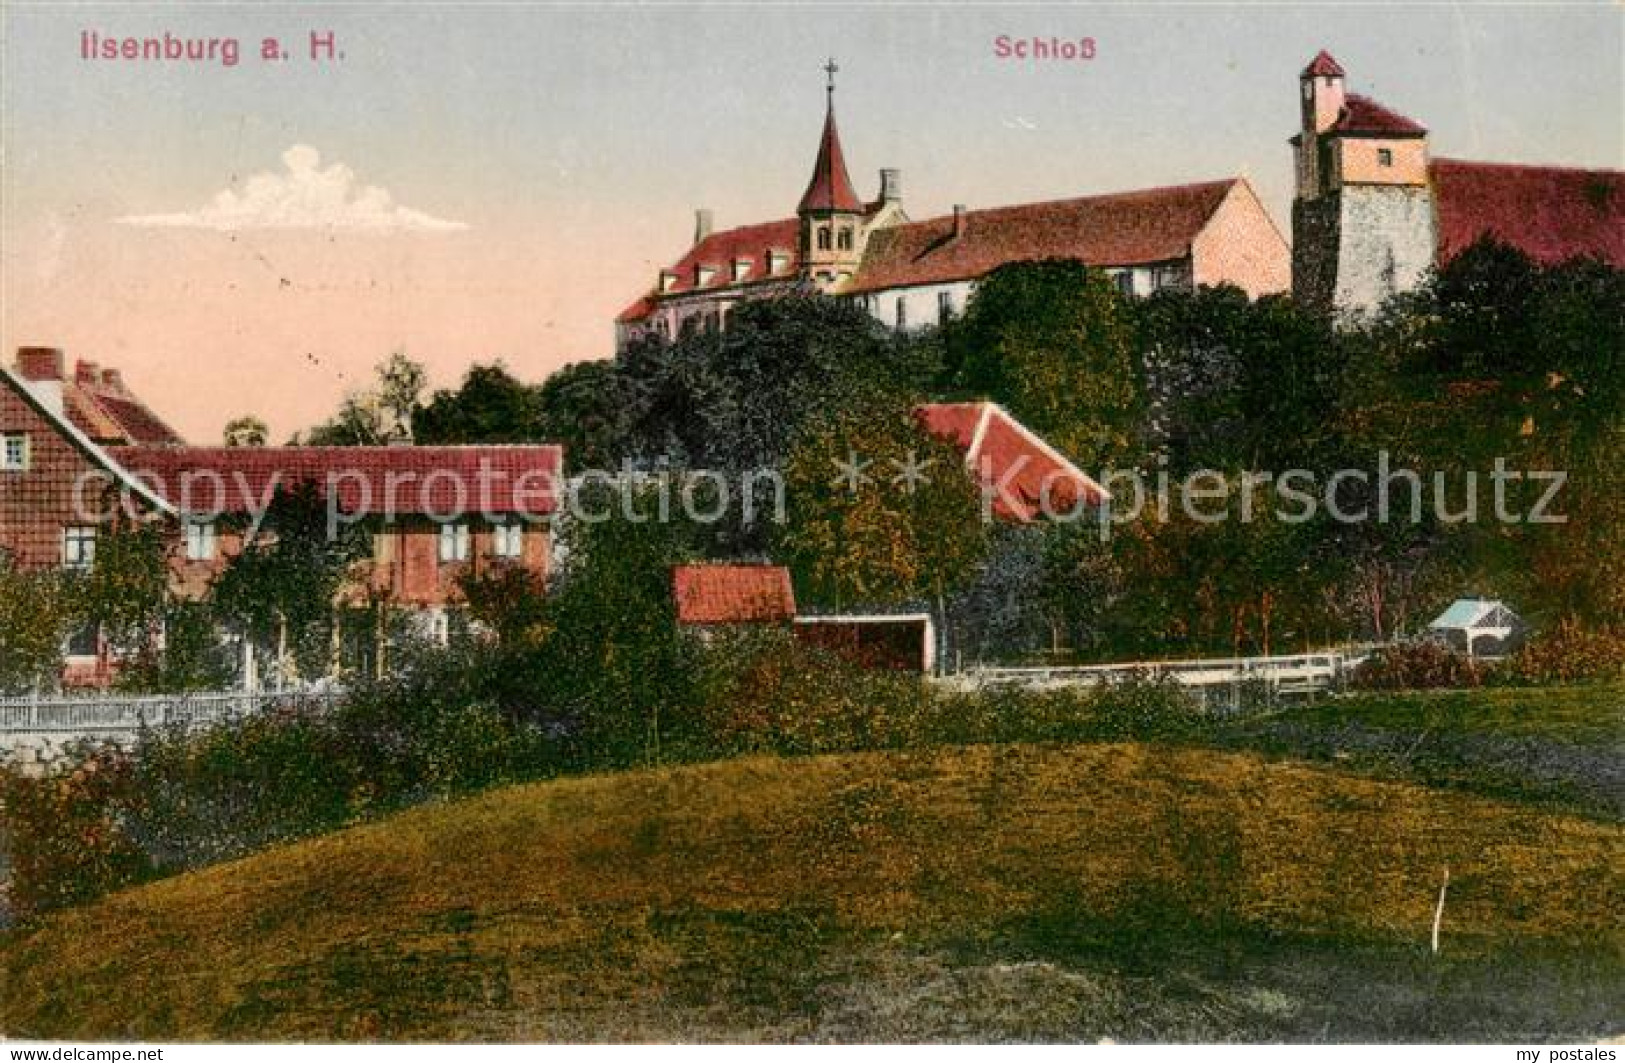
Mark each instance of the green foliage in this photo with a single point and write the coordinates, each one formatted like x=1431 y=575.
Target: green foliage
x=1566 y=654
x=246 y=431
x=861 y=528
x=280 y=589
x=737 y=400
x=1053 y=342
x=189 y=657
x=1420 y=665
x=66 y=835
x=379 y=414
x=128 y=585
x=491 y=406
x=36 y=614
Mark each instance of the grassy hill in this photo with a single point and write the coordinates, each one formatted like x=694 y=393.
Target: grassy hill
x=996 y=892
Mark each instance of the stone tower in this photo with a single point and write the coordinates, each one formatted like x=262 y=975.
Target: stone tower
x=1362 y=219
x=831 y=213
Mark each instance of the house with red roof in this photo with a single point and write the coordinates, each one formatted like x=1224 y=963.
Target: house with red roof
x=911 y=273
x=1023 y=479
x=1374 y=213
x=79 y=453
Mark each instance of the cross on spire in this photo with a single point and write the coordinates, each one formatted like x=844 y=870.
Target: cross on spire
x=831 y=69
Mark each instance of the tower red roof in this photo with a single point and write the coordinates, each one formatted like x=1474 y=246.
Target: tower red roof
x=1322 y=66
x=830 y=187
x=1361 y=116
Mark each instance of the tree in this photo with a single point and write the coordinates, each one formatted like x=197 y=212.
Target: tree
x=36 y=616
x=280 y=591
x=490 y=406
x=379 y=414
x=880 y=512
x=583 y=407
x=1054 y=342
x=127 y=587
x=734 y=401
x=246 y=431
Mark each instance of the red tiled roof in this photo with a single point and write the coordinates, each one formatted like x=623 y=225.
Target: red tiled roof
x=1365 y=117
x=1322 y=66
x=1549 y=213
x=732 y=594
x=638 y=310
x=89 y=417
x=1009 y=459
x=1122 y=229
x=719 y=251
x=830 y=187
x=440 y=482
x=140 y=425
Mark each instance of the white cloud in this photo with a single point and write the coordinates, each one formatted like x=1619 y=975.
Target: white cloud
x=305 y=196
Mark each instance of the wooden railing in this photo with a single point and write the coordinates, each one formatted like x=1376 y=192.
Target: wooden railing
x=1293 y=674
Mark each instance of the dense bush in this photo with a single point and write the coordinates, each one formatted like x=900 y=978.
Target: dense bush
x=67 y=835
x=1417 y=666
x=768 y=692
x=182 y=800
x=1565 y=654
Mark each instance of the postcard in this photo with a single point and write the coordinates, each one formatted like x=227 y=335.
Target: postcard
x=841 y=524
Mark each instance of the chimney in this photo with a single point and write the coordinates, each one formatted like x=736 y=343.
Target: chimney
x=39 y=363
x=87 y=373
x=891 y=186
x=113 y=381
x=702 y=224
x=959 y=221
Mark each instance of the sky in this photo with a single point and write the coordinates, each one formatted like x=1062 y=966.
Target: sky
x=472 y=182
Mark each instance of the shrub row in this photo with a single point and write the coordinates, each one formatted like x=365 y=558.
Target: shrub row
x=180 y=801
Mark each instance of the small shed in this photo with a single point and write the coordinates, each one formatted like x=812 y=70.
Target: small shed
x=1479 y=627
x=900 y=642
x=723 y=595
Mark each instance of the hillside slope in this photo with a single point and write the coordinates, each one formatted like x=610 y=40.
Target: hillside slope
x=1015 y=892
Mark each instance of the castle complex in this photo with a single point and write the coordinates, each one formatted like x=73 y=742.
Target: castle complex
x=913 y=273
x=1372 y=214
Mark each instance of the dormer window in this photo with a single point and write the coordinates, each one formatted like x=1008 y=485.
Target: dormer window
x=668 y=280
x=703 y=275
x=777 y=262
x=741 y=269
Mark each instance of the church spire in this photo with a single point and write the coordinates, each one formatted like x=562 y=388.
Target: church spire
x=830 y=188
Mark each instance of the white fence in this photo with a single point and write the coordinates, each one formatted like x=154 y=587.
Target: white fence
x=1302 y=674
x=106 y=714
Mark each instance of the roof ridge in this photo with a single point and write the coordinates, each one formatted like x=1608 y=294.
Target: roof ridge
x=1542 y=167
x=1190 y=186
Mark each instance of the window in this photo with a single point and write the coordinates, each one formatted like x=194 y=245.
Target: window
x=453 y=542
x=902 y=313
x=1125 y=282
x=439 y=627
x=200 y=540
x=84 y=641
x=13 y=451
x=1385 y=157
x=78 y=546
x=945 y=306
x=823 y=238
x=845 y=241
x=508 y=540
